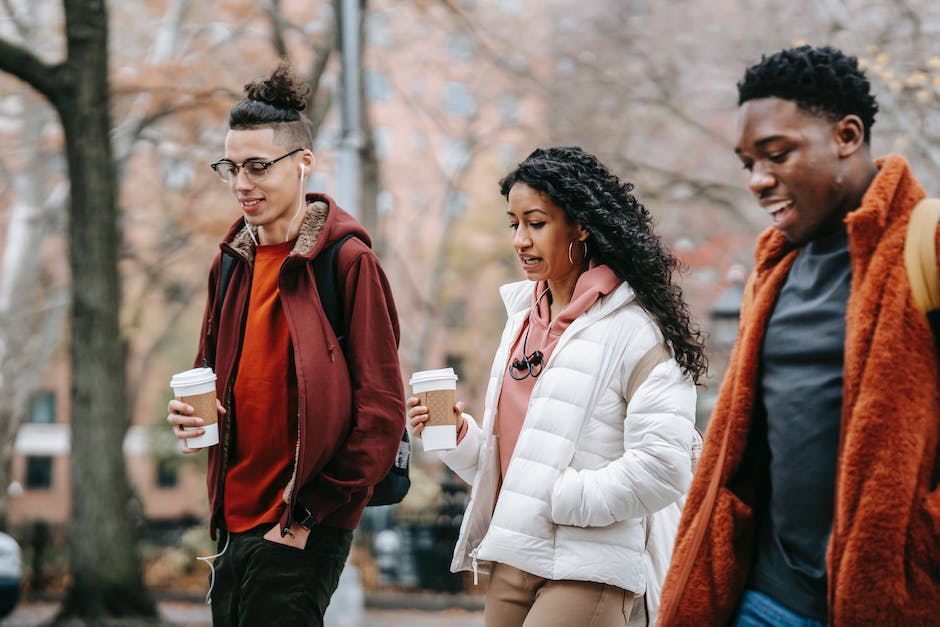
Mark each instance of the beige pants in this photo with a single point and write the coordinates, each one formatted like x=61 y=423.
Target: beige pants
x=515 y=598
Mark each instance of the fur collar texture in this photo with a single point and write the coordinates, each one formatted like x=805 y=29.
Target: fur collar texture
x=884 y=553
x=310 y=228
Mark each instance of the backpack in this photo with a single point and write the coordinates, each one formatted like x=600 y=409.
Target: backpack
x=920 y=259
x=394 y=486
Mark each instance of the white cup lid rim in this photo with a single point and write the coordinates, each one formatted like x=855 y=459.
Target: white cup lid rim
x=446 y=374
x=191 y=377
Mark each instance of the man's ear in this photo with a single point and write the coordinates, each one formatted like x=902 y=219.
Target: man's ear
x=849 y=135
x=308 y=161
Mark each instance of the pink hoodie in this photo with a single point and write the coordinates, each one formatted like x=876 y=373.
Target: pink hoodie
x=541 y=333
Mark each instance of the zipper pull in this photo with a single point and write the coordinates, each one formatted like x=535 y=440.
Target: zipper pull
x=332 y=357
x=475 y=564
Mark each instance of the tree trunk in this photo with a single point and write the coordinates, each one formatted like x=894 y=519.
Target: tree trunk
x=105 y=565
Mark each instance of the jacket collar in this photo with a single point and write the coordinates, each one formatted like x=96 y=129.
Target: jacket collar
x=518 y=298
x=310 y=229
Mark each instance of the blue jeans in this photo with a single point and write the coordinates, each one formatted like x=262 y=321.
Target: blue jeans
x=759 y=610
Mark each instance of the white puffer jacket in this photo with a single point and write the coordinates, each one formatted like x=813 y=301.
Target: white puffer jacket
x=588 y=467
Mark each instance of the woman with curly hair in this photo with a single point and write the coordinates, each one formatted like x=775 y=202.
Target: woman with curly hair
x=588 y=425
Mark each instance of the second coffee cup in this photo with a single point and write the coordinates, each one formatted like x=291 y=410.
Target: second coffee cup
x=437 y=390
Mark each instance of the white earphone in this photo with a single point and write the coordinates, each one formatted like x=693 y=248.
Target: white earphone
x=300 y=203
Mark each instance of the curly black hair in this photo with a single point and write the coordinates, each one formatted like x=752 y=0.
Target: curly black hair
x=275 y=102
x=820 y=80
x=621 y=236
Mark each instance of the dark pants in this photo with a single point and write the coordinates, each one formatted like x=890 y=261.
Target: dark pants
x=259 y=582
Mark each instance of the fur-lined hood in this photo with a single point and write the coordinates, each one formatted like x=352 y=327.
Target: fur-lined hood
x=325 y=222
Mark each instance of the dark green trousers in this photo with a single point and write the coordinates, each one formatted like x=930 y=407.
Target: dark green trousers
x=259 y=582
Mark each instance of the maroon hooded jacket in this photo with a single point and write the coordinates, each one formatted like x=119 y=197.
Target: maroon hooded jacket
x=350 y=405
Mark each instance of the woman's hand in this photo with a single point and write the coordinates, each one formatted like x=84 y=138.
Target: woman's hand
x=418 y=415
x=185 y=425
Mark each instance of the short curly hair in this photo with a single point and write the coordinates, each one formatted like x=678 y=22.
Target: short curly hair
x=621 y=235
x=820 y=80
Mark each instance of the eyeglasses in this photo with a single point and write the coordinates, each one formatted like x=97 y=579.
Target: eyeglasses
x=255 y=169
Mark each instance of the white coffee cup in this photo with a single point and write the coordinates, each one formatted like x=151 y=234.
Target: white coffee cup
x=437 y=390
x=196 y=387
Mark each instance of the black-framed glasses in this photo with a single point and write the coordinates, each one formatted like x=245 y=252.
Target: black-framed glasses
x=255 y=169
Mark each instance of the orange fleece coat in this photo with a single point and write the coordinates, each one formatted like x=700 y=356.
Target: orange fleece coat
x=884 y=553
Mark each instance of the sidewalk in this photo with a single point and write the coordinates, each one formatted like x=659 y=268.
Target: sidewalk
x=382 y=609
x=196 y=614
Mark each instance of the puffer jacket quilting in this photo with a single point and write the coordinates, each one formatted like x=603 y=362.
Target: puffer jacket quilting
x=587 y=468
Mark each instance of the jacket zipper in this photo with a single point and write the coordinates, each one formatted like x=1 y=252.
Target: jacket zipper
x=475 y=564
x=291 y=499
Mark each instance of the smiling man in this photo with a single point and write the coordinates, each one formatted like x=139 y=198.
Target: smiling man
x=815 y=501
x=309 y=422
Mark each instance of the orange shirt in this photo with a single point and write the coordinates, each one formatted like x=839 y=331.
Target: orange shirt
x=265 y=429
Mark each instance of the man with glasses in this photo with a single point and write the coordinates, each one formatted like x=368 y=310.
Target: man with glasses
x=308 y=425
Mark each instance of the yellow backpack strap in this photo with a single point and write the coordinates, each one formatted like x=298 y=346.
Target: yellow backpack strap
x=920 y=254
x=747 y=299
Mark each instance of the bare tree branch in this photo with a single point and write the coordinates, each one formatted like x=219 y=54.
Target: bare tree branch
x=272 y=11
x=23 y=64
x=319 y=98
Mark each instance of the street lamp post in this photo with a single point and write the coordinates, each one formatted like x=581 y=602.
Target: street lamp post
x=348 y=163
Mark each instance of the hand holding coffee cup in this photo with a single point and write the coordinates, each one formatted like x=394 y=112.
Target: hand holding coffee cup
x=435 y=391
x=185 y=424
x=194 y=412
x=418 y=415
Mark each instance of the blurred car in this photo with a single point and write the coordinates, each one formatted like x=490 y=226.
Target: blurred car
x=11 y=574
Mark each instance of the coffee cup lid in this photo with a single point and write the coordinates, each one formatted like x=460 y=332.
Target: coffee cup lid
x=195 y=376
x=444 y=374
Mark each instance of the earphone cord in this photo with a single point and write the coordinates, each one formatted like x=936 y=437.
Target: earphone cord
x=300 y=205
x=251 y=233
x=210 y=559
x=527 y=361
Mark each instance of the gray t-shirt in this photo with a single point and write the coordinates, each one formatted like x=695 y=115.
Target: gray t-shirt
x=801 y=389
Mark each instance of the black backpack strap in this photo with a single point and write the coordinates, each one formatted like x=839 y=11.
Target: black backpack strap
x=226 y=265
x=324 y=271
x=225 y=274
